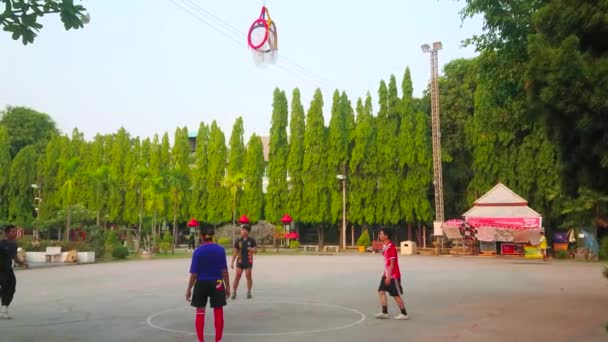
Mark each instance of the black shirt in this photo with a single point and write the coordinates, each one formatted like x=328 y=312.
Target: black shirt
x=8 y=251
x=242 y=245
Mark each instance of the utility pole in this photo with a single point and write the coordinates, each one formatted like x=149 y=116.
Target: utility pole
x=436 y=132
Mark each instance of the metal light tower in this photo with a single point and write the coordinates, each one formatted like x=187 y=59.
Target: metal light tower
x=436 y=131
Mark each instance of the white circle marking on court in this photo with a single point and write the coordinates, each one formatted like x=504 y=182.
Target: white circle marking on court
x=296 y=332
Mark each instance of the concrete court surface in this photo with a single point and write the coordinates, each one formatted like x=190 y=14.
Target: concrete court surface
x=317 y=298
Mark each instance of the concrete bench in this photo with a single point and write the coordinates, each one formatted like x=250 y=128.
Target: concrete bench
x=52 y=253
x=336 y=248
x=314 y=247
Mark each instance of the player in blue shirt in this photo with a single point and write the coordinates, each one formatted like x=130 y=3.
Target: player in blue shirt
x=209 y=280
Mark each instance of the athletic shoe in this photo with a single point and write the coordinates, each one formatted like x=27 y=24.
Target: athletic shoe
x=401 y=317
x=382 y=315
x=233 y=297
x=4 y=313
x=249 y=296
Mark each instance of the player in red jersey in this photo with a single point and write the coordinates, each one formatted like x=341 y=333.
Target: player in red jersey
x=391 y=278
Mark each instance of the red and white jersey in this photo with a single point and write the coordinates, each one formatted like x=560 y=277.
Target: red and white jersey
x=390 y=253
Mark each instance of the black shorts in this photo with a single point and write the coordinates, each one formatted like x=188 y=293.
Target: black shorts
x=243 y=265
x=212 y=289
x=394 y=289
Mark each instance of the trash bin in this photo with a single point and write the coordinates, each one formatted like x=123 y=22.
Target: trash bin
x=408 y=248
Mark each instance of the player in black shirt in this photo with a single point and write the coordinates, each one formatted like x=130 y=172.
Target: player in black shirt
x=8 y=282
x=244 y=248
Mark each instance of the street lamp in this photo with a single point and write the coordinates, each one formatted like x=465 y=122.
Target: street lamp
x=286 y=220
x=37 y=200
x=343 y=179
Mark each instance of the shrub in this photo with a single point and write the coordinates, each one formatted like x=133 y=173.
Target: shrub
x=561 y=255
x=120 y=252
x=604 y=248
x=164 y=247
x=111 y=241
x=364 y=239
x=294 y=244
x=224 y=242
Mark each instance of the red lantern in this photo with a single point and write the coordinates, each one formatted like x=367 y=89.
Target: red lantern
x=286 y=219
x=244 y=219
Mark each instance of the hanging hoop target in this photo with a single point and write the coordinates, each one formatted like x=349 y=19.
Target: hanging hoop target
x=262 y=38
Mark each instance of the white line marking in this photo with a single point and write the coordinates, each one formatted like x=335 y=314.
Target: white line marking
x=296 y=332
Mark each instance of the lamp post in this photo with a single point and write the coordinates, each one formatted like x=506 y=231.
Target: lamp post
x=343 y=179
x=436 y=135
x=286 y=220
x=37 y=200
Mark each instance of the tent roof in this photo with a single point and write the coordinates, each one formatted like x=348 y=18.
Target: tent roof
x=501 y=202
x=500 y=195
x=501 y=211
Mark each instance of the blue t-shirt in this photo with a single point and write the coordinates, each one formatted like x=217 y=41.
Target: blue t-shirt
x=209 y=262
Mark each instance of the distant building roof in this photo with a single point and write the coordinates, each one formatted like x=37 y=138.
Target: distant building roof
x=266 y=146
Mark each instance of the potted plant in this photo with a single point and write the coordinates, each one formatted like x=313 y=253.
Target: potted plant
x=364 y=241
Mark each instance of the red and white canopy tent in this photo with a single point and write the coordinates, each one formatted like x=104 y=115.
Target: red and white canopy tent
x=501 y=215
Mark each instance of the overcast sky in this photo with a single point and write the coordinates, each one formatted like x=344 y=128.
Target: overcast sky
x=150 y=66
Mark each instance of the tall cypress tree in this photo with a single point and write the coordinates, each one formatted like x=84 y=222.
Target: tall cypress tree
x=362 y=180
x=199 y=174
x=237 y=148
x=120 y=151
x=387 y=208
x=337 y=158
x=22 y=176
x=50 y=176
x=5 y=169
x=253 y=197
x=296 y=156
x=180 y=155
x=218 y=208
x=133 y=177
x=407 y=155
x=236 y=161
x=316 y=203
x=276 y=196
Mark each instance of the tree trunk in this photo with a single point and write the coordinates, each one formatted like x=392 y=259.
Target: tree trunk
x=319 y=238
x=352 y=238
x=424 y=236
x=98 y=221
x=141 y=221
x=67 y=229
x=409 y=232
x=174 y=232
x=154 y=231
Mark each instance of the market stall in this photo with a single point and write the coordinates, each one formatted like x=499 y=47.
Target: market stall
x=503 y=222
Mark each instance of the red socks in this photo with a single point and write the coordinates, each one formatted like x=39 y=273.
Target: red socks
x=218 y=315
x=200 y=324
